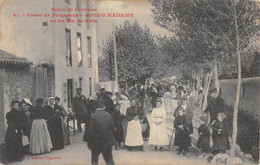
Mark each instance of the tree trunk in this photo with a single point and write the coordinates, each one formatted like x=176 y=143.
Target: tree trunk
x=206 y=90
x=126 y=88
x=234 y=134
x=110 y=67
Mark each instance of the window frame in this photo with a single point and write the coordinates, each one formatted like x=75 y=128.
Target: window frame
x=68 y=47
x=89 y=51
x=79 y=49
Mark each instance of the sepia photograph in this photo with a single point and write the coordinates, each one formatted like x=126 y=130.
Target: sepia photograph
x=129 y=82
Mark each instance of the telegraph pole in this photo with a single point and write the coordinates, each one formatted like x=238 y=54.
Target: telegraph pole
x=115 y=58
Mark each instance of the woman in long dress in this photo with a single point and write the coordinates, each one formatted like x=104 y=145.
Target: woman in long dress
x=158 y=132
x=40 y=140
x=64 y=113
x=173 y=91
x=168 y=101
x=13 y=136
x=55 y=126
x=134 y=140
x=147 y=116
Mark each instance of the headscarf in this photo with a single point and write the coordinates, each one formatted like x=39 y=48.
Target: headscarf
x=27 y=101
x=93 y=97
x=51 y=98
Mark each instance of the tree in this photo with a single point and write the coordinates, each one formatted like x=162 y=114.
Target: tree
x=136 y=51
x=211 y=30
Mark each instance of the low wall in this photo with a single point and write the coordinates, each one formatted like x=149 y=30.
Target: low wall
x=249 y=93
x=248 y=111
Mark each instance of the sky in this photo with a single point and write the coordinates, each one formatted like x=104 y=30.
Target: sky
x=142 y=14
x=140 y=8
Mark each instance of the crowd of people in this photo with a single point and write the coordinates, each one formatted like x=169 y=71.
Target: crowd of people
x=35 y=129
x=107 y=125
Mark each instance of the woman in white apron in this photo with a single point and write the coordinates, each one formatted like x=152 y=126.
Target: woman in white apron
x=134 y=140
x=158 y=132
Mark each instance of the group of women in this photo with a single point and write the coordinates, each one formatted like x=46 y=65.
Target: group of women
x=146 y=118
x=35 y=130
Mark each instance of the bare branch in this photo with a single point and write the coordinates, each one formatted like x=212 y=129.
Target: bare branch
x=221 y=31
x=230 y=9
x=246 y=30
x=246 y=37
x=238 y=15
x=217 y=11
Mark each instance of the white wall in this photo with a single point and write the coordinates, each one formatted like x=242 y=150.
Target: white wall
x=26 y=37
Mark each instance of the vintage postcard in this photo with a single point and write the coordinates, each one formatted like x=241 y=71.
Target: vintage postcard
x=129 y=82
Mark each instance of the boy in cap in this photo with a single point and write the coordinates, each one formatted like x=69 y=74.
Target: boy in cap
x=182 y=133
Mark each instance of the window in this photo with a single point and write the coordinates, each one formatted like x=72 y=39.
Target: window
x=67 y=1
x=70 y=92
x=79 y=50
x=79 y=12
x=88 y=6
x=89 y=52
x=90 y=86
x=68 y=48
x=80 y=82
x=67 y=12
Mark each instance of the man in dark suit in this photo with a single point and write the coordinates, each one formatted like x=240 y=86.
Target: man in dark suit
x=79 y=107
x=101 y=134
x=215 y=105
x=109 y=104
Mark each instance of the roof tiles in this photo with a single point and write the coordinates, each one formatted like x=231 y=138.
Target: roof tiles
x=8 y=58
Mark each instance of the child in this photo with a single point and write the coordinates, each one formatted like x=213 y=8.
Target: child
x=182 y=133
x=204 y=139
x=220 y=134
x=117 y=118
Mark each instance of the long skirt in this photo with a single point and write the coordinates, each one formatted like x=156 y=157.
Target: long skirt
x=65 y=133
x=220 y=143
x=159 y=134
x=168 y=105
x=14 y=147
x=40 y=140
x=204 y=143
x=124 y=127
x=182 y=138
x=55 y=126
x=134 y=134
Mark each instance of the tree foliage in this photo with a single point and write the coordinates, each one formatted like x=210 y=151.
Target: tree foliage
x=212 y=31
x=136 y=51
x=205 y=29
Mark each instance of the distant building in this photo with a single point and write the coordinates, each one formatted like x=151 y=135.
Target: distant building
x=64 y=54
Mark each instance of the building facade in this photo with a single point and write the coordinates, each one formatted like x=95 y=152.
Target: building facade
x=64 y=54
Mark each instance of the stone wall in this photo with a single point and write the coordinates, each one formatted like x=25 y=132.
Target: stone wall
x=16 y=84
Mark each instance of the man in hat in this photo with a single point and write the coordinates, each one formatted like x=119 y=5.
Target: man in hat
x=101 y=134
x=102 y=92
x=215 y=105
x=109 y=104
x=79 y=107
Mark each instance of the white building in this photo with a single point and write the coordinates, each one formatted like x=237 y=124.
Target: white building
x=64 y=54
